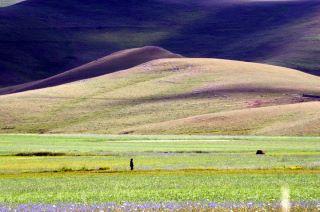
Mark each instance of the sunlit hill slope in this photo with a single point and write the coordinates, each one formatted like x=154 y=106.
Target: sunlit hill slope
x=173 y=96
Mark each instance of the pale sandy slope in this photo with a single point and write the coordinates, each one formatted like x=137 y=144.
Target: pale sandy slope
x=173 y=96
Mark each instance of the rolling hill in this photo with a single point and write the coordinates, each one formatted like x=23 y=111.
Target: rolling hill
x=173 y=96
x=42 y=38
x=117 y=61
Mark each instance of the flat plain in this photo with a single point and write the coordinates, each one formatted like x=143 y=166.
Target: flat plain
x=93 y=169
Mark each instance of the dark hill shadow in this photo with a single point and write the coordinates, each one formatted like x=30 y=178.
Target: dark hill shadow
x=249 y=32
x=41 y=38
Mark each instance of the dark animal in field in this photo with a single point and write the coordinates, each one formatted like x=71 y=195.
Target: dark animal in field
x=311 y=96
x=260 y=152
x=131 y=164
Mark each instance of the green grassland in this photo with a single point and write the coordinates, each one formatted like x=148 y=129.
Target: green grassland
x=173 y=96
x=157 y=186
x=156 y=152
x=94 y=168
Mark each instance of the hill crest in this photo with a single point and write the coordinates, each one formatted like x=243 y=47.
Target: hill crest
x=114 y=62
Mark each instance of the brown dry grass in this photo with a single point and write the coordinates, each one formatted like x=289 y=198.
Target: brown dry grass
x=292 y=119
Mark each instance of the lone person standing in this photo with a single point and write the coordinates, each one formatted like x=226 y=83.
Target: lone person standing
x=131 y=164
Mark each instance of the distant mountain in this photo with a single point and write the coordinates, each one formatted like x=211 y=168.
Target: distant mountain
x=42 y=38
x=173 y=96
x=111 y=63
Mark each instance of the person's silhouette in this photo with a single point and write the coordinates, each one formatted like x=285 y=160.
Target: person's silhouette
x=131 y=164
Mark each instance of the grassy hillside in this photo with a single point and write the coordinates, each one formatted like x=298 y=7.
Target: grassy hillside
x=44 y=38
x=297 y=119
x=180 y=96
